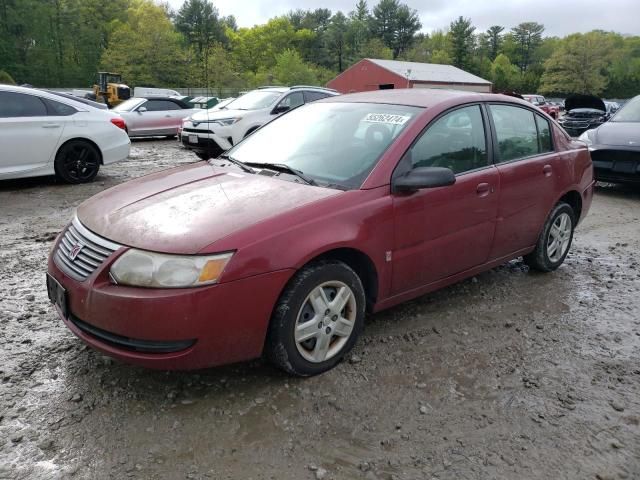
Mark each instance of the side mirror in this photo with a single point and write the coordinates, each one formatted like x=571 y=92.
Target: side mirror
x=423 y=177
x=142 y=109
x=280 y=109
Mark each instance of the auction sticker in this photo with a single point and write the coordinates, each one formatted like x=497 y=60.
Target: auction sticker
x=387 y=118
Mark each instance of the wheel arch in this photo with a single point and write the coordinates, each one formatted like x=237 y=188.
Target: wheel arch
x=574 y=199
x=361 y=263
x=81 y=139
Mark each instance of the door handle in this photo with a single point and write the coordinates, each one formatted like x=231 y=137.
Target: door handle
x=167 y=116
x=50 y=125
x=483 y=189
x=547 y=170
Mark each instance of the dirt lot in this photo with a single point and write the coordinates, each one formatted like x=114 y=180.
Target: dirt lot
x=508 y=375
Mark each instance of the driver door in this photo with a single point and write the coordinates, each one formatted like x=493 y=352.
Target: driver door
x=443 y=231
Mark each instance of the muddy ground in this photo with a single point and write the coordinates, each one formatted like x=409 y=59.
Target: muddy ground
x=510 y=375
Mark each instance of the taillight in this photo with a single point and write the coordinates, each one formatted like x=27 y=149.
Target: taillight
x=119 y=122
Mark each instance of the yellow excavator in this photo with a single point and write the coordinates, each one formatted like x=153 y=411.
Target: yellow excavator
x=109 y=89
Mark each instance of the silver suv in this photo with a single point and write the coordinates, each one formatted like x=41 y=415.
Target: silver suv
x=210 y=132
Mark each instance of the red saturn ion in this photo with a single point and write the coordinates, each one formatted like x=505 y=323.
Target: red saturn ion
x=350 y=204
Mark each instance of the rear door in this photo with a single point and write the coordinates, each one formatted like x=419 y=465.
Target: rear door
x=28 y=135
x=160 y=118
x=443 y=231
x=529 y=169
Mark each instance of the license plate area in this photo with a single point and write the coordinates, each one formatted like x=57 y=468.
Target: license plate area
x=193 y=139
x=57 y=295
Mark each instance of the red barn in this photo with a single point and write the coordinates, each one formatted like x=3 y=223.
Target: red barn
x=371 y=74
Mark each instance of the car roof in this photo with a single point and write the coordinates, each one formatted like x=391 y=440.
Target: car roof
x=422 y=97
x=42 y=93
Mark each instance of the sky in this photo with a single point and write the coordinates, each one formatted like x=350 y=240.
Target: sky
x=560 y=17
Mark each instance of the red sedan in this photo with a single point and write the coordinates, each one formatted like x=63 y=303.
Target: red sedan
x=347 y=205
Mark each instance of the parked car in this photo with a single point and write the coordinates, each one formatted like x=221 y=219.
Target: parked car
x=547 y=107
x=350 y=204
x=46 y=134
x=583 y=113
x=615 y=146
x=154 y=116
x=209 y=133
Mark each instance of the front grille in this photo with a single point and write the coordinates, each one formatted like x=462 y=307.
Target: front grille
x=80 y=251
x=616 y=155
x=195 y=130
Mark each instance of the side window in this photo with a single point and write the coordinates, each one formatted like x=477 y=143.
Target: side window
x=160 y=105
x=21 y=105
x=456 y=141
x=544 y=134
x=58 y=109
x=292 y=101
x=516 y=132
x=313 y=96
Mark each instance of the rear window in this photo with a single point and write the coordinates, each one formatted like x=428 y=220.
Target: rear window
x=516 y=132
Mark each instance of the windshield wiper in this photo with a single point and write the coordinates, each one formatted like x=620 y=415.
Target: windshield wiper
x=286 y=168
x=244 y=167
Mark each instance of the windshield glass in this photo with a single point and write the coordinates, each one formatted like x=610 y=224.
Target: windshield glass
x=128 y=105
x=254 y=100
x=629 y=113
x=331 y=143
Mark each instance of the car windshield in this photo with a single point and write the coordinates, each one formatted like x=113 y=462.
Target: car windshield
x=629 y=113
x=128 y=105
x=254 y=100
x=334 y=144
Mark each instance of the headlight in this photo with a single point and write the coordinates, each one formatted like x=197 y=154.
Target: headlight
x=225 y=121
x=586 y=138
x=139 y=268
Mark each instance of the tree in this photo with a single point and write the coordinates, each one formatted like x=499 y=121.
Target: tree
x=494 y=38
x=337 y=39
x=146 y=49
x=290 y=69
x=5 y=78
x=579 y=65
x=406 y=25
x=528 y=37
x=503 y=74
x=383 y=21
x=462 y=42
x=375 y=48
x=200 y=24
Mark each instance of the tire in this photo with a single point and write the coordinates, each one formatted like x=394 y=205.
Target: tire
x=202 y=155
x=316 y=348
x=77 y=161
x=558 y=228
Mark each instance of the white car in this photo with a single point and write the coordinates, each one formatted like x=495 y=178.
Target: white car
x=210 y=132
x=154 y=116
x=46 y=134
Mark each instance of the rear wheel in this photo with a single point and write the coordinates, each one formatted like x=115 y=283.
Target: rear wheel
x=77 y=161
x=317 y=319
x=202 y=155
x=554 y=241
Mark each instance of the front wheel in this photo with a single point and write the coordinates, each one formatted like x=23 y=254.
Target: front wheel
x=554 y=241
x=77 y=161
x=317 y=319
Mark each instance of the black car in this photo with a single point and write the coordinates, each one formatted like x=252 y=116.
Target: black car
x=615 y=146
x=583 y=113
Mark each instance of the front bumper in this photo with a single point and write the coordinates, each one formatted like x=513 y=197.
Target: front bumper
x=208 y=137
x=616 y=165
x=171 y=329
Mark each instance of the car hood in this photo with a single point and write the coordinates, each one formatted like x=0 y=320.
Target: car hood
x=204 y=115
x=625 y=134
x=584 y=101
x=185 y=209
